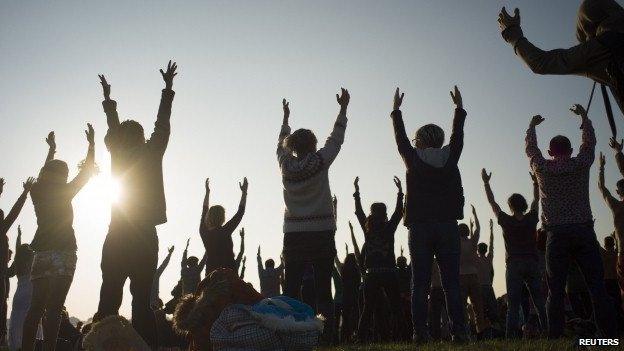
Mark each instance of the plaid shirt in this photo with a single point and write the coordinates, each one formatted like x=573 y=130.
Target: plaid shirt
x=564 y=183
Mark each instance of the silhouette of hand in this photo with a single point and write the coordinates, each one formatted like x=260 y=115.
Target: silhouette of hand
x=343 y=98
x=2 y=185
x=397 y=182
x=168 y=76
x=579 y=110
x=258 y=251
x=486 y=177
x=474 y=212
x=28 y=184
x=617 y=147
x=207 y=184
x=602 y=161
x=286 y=108
x=90 y=133
x=457 y=98
x=536 y=121
x=19 y=231
x=356 y=184
x=505 y=20
x=171 y=249
x=242 y=232
x=188 y=241
x=398 y=99
x=51 y=140
x=244 y=185
x=105 y=87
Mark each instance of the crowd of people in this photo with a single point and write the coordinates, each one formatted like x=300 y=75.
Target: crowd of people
x=559 y=281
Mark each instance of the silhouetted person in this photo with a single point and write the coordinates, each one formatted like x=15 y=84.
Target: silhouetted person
x=155 y=292
x=216 y=233
x=190 y=272
x=599 y=56
x=351 y=279
x=5 y=225
x=309 y=218
x=54 y=243
x=240 y=257
x=567 y=217
x=485 y=271
x=437 y=315
x=434 y=203
x=23 y=294
x=468 y=273
x=404 y=272
x=521 y=254
x=131 y=246
x=270 y=276
x=379 y=260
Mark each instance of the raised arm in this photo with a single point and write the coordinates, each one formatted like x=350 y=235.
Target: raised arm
x=490 y=254
x=400 y=136
x=12 y=270
x=532 y=150
x=488 y=191
x=165 y=262
x=242 y=273
x=619 y=157
x=606 y=194
x=334 y=142
x=202 y=263
x=241 y=252
x=587 y=149
x=205 y=207
x=575 y=60
x=359 y=212
x=51 y=141
x=10 y=218
x=185 y=254
x=477 y=231
x=536 y=194
x=260 y=264
x=456 y=142
x=284 y=132
x=87 y=168
x=398 y=209
x=356 y=249
x=236 y=219
x=162 y=128
x=110 y=106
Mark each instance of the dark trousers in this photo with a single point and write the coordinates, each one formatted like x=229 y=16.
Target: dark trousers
x=441 y=240
x=375 y=284
x=350 y=315
x=437 y=311
x=576 y=242
x=613 y=289
x=4 y=293
x=490 y=306
x=293 y=274
x=521 y=274
x=130 y=252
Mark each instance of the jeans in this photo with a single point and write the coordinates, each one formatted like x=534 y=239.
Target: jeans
x=441 y=240
x=375 y=284
x=490 y=306
x=576 y=242
x=130 y=252
x=523 y=272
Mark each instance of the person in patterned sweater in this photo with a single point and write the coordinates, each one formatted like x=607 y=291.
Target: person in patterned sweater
x=567 y=217
x=309 y=219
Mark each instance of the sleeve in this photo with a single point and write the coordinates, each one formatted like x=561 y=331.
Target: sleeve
x=163 y=265
x=398 y=212
x=403 y=144
x=536 y=159
x=281 y=151
x=332 y=146
x=586 y=154
x=456 y=141
x=577 y=60
x=238 y=217
x=162 y=128
x=359 y=212
x=86 y=171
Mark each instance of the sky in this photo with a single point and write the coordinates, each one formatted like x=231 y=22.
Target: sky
x=237 y=60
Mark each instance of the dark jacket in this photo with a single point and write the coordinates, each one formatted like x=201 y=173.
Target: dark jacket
x=139 y=170
x=433 y=194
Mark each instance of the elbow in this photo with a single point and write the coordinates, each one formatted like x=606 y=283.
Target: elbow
x=538 y=69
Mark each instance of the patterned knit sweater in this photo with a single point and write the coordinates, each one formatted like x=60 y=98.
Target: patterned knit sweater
x=307 y=195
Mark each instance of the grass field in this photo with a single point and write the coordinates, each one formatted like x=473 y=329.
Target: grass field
x=492 y=345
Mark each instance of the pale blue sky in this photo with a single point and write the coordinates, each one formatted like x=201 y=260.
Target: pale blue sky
x=237 y=60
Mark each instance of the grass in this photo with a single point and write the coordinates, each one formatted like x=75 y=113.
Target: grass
x=490 y=345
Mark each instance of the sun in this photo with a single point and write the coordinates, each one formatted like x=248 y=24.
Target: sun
x=104 y=188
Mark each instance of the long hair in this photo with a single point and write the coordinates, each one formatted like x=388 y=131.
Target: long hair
x=377 y=217
x=53 y=171
x=215 y=217
x=598 y=16
x=350 y=271
x=301 y=142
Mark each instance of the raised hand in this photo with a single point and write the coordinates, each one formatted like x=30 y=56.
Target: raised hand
x=90 y=133
x=168 y=76
x=188 y=241
x=343 y=98
x=105 y=87
x=579 y=110
x=602 y=161
x=398 y=99
x=397 y=182
x=486 y=177
x=171 y=249
x=207 y=185
x=28 y=184
x=51 y=140
x=347 y=248
x=243 y=187
x=19 y=231
x=242 y=232
x=2 y=185
x=617 y=147
x=536 y=121
x=491 y=225
x=474 y=212
x=505 y=20
x=286 y=109
x=350 y=226
x=457 y=98
x=356 y=184
x=258 y=251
